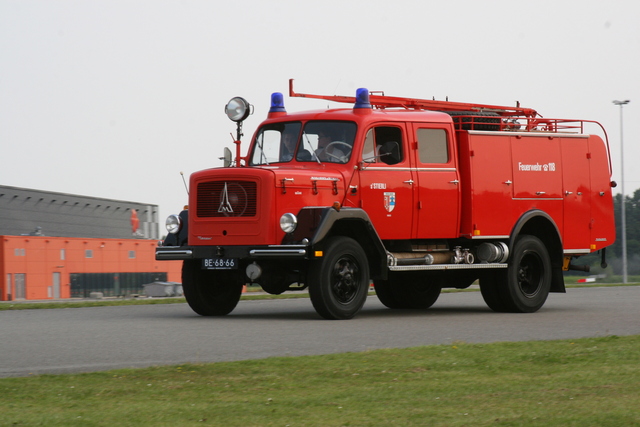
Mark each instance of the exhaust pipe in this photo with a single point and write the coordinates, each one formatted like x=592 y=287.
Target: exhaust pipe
x=493 y=252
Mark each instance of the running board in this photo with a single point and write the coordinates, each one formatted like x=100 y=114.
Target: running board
x=446 y=267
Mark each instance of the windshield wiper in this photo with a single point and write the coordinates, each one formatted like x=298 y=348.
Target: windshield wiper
x=262 y=155
x=311 y=150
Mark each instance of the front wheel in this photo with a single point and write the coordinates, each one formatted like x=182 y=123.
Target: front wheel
x=210 y=292
x=339 y=281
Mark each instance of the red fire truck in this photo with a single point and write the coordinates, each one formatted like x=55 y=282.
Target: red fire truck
x=413 y=195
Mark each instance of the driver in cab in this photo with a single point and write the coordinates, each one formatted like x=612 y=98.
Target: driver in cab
x=330 y=150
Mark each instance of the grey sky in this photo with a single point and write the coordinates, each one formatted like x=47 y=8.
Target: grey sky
x=115 y=98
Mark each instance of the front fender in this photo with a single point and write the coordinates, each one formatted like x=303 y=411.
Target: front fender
x=316 y=224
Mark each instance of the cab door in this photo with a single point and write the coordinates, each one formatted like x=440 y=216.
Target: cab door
x=438 y=182
x=387 y=181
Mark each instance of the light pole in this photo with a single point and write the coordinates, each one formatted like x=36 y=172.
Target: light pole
x=623 y=215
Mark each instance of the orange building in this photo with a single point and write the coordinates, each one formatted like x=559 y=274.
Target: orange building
x=42 y=267
x=59 y=245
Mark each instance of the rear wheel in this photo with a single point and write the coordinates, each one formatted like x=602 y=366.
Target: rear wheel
x=339 y=281
x=210 y=292
x=524 y=286
x=492 y=295
x=386 y=293
x=408 y=290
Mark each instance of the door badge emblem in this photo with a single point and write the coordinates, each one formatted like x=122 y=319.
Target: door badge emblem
x=389 y=201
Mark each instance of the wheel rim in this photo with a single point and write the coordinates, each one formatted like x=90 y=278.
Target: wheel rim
x=345 y=279
x=530 y=273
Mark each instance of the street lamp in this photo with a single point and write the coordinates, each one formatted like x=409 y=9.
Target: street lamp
x=623 y=216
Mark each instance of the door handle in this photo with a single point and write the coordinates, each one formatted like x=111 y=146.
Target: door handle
x=455 y=181
x=408 y=182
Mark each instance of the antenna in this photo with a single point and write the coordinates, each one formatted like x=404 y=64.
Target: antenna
x=185 y=182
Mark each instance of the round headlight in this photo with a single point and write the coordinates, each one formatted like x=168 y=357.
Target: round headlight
x=173 y=224
x=237 y=109
x=288 y=222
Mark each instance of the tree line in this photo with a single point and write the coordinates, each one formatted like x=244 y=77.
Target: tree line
x=614 y=252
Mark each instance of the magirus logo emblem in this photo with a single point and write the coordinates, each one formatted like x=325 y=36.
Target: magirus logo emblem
x=225 y=205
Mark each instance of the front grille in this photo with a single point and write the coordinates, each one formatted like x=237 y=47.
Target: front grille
x=220 y=199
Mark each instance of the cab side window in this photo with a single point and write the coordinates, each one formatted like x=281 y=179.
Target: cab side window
x=433 y=146
x=383 y=144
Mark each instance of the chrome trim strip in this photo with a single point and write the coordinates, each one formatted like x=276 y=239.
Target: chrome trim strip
x=323 y=178
x=374 y=168
x=171 y=254
x=490 y=237
x=446 y=267
x=182 y=252
x=577 y=251
x=277 y=252
x=537 y=198
x=532 y=133
x=386 y=169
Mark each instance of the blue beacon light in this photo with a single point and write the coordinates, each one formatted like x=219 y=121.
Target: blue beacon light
x=277 y=103
x=362 y=98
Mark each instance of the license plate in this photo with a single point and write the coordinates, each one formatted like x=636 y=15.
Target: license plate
x=220 y=263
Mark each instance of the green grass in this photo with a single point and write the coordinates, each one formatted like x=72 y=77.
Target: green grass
x=585 y=382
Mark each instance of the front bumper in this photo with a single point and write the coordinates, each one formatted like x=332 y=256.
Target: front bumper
x=172 y=253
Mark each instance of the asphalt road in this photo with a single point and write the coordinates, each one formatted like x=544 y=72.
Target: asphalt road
x=102 y=338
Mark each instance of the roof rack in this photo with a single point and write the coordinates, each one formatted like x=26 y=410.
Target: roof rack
x=468 y=116
x=382 y=102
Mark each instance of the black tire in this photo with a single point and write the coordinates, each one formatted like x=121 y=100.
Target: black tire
x=386 y=295
x=408 y=290
x=419 y=296
x=210 y=292
x=339 y=281
x=490 y=291
x=524 y=286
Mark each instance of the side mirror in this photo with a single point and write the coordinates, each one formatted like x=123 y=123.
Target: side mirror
x=390 y=153
x=226 y=159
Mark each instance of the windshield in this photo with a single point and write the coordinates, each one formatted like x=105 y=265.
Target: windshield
x=276 y=143
x=319 y=141
x=324 y=141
